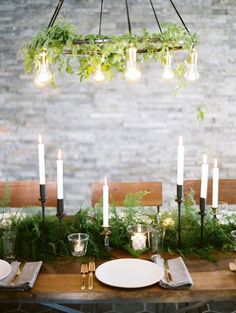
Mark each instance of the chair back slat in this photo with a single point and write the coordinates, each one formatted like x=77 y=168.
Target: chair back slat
x=118 y=192
x=227 y=190
x=26 y=193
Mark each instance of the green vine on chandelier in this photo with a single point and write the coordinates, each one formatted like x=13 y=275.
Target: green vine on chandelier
x=83 y=59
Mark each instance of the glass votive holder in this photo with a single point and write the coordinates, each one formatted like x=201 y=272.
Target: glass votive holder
x=9 y=238
x=78 y=243
x=233 y=234
x=139 y=236
x=157 y=240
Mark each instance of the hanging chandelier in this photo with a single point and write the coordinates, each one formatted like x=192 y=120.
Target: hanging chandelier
x=100 y=57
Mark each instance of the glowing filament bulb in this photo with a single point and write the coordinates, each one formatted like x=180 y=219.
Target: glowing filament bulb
x=43 y=74
x=99 y=75
x=192 y=73
x=132 y=73
x=167 y=72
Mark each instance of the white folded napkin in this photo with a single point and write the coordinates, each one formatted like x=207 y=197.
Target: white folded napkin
x=25 y=280
x=179 y=273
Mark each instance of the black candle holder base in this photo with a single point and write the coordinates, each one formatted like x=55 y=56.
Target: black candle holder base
x=42 y=199
x=214 y=211
x=60 y=214
x=202 y=215
x=179 y=195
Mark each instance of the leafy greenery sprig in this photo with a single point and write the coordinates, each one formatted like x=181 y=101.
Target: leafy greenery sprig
x=110 y=52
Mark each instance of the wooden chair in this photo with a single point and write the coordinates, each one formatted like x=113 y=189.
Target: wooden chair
x=26 y=193
x=227 y=190
x=118 y=192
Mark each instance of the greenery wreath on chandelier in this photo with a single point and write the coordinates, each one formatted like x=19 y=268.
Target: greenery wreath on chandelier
x=100 y=57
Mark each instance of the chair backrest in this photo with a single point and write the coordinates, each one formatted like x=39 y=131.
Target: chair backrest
x=227 y=190
x=118 y=192
x=26 y=193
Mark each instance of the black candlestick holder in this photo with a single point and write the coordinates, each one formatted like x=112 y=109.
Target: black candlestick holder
x=202 y=214
x=179 y=195
x=42 y=199
x=106 y=233
x=214 y=211
x=60 y=213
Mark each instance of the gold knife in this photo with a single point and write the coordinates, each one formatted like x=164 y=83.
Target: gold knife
x=83 y=271
x=18 y=272
x=90 y=276
x=167 y=272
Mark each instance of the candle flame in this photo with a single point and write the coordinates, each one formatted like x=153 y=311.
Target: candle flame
x=180 y=141
x=105 y=181
x=40 y=139
x=204 y=160
x=59 y=154
x=215 y=163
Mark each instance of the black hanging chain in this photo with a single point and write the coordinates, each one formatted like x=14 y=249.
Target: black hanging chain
x=100 y=20
x=128 y=17
x=55 y=14
x=60 y=3
x=177 y=12
x=155 y=14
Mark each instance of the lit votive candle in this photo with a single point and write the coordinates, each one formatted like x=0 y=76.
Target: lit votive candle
x=79 y=247
x=78 y=243
x=139 y=241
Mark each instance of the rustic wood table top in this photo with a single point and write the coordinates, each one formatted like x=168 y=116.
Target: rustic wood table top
x=60 y=282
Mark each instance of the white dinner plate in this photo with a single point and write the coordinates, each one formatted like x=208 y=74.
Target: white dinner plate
x=129 y=273
x=5 y=269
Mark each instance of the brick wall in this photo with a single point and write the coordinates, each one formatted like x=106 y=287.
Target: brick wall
x=125 y=131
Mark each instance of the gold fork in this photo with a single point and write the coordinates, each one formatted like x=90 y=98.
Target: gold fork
x=83 y=271
x=18 y=273
x=167 y=271
x=90 y=276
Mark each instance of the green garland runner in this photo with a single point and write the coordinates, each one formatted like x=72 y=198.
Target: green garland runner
x=83 y=59
x=33 y=244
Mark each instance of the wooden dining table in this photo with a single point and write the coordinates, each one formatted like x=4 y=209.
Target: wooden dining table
x=59 y=282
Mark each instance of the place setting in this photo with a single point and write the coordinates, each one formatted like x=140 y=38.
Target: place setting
x=18 y=276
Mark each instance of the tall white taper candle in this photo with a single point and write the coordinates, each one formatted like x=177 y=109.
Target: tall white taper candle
x=215 y=185
x=59 y=176
x=105 y=203
x=41 y=158
x=180 y=163
x=204 y=179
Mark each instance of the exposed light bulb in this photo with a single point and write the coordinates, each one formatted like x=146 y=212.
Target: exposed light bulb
x=167 y=72
x=192 y=73
x=99 y=75
x=132 y=72
x=43 y=74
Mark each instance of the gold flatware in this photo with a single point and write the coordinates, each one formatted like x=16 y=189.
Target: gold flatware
x=90 y=275
x=167 y=272
x=18 y=273
x=83 y=271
